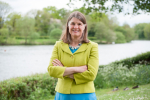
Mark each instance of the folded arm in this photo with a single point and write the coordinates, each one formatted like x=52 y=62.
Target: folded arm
x=93 y=64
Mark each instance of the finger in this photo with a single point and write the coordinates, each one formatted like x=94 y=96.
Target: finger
x=55 y=61
x=54 y=64
x=58 y=62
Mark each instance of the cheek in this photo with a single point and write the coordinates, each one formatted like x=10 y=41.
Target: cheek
x=82 y=29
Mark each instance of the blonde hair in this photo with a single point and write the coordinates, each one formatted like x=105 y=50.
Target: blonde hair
x=66 y=37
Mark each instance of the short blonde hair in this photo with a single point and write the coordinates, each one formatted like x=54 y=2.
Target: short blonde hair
x=66 y=37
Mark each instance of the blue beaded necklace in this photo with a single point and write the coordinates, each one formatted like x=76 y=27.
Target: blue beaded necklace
x=71 y=47
x=74 y=49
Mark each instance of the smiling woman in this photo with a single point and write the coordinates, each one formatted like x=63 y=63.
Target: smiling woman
x=76 y=28
x=75 y=61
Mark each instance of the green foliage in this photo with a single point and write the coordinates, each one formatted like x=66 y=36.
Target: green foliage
x=141 y=93
x=110 y=36
x=31 y=87
x=34 y=36
x=42 y=22
x=56 y=33
x=25 y=26
x=4 y=9
x=53 y=26
x=52 y=10
x=116 y=5
x=4 y=32
x=103 y=32
x=92 y=38
x=113 y=75
x=139 y=30
x=120 y=38
x=130 y=71
x=143 y=58
x=147 y=31
x=100 y=30
x=127 y=32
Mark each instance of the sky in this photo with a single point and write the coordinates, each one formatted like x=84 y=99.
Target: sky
x=23 y=6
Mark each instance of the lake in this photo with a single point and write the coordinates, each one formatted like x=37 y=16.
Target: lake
x=27 y=60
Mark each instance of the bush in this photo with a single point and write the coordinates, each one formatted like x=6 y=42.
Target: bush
x=143 y=58
x=120 y=38
x=27 y=87
x=114 y=75
x=55 y=33
x=92 y=38
x=130 y=71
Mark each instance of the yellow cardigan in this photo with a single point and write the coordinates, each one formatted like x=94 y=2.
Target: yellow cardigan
x=87 y=54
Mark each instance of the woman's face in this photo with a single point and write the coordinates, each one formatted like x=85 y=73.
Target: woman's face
x=76 y=28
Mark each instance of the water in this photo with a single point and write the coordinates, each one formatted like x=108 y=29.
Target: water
x=26 y=60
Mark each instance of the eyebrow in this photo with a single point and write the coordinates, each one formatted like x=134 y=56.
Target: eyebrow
x=74 y=22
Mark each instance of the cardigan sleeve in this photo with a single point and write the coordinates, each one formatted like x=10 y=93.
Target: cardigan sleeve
x=93 y=64
x=55 y=71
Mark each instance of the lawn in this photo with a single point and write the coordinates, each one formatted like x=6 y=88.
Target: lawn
x=141 y=93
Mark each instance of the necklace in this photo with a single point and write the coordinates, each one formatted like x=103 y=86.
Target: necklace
x=71 y=47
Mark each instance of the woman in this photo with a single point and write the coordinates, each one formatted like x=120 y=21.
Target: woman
x=74 y=61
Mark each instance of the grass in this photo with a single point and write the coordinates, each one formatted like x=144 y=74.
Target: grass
x=141 y=93
x=35 y=42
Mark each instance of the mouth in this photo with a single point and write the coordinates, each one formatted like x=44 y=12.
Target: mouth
x=75 y=31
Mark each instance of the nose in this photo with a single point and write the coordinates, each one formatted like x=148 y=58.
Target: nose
x=75 y=26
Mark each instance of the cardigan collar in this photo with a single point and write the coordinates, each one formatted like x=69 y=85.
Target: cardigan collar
x=65 y=48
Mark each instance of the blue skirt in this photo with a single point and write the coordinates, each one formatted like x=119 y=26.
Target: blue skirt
x=84 y=96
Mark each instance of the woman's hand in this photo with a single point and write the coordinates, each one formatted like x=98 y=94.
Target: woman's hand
x=71 y=76
x=81 y=69
x=56 y=62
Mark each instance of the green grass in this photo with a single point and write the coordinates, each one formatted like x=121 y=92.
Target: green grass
x=35 y=42
x=141 y=93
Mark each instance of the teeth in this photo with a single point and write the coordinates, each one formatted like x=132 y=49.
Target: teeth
x=75 y=30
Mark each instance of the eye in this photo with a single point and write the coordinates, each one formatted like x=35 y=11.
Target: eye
x=72 y=24
x=79 y=24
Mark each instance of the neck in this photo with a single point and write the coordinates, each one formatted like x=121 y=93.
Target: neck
x=75 y=42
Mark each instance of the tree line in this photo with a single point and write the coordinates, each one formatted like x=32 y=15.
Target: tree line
x=49 y=23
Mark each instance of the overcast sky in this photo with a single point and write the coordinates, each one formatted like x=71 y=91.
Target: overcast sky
x=23 y=6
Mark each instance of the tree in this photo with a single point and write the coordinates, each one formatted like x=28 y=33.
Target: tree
x=42 y=22
x=120 y=38
x=129 y=32
x=53 y=26
x=117 y=5
x=4 y=10
x=147 y=31
x=55 y=33
x=4 y=33
x=139 y=30
x=100 y=31
x=25 y=27
x=52 y=10
x=11 y=22
x=110 y=36
x=64 y=14
x=33 y=36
